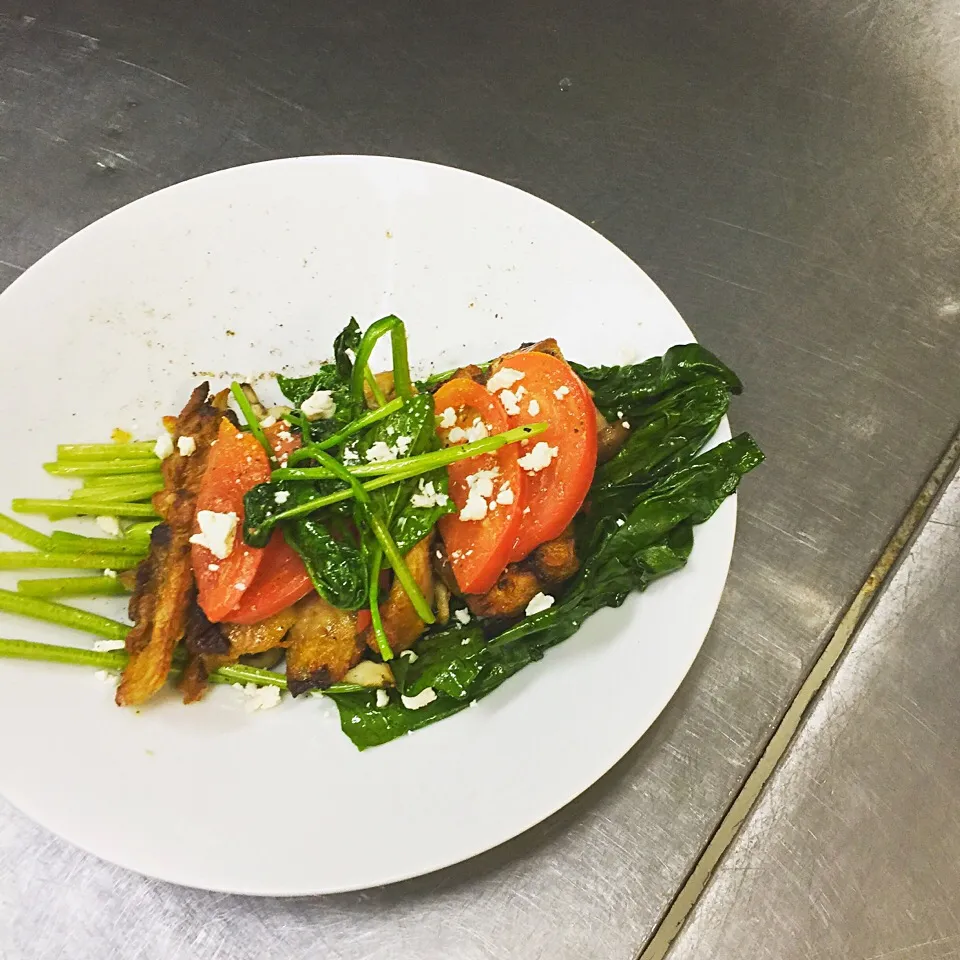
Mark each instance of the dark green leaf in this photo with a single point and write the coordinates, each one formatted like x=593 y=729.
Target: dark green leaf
x=448 y=660
x=348 y=339
x=336 y=566
x=626 y=391
x=261 y=508
x=413 y=523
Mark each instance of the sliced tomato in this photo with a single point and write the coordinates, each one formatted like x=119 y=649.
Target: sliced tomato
x=282 y=439
x=281 y=581
x=237 y=463
x=479 y=550
x=557 y=396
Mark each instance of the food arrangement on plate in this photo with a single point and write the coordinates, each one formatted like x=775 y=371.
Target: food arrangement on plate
x=402 y=547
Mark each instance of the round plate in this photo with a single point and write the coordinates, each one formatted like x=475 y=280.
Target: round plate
x=255 y=269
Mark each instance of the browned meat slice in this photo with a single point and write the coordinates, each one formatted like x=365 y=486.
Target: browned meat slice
x=385 y=383
x=324 y=645
x=401 y=623
x=160 y=603
x=213 y=645
x=548 y=566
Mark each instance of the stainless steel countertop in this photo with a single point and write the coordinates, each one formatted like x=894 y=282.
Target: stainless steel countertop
x=853 y=850
x=788 y=175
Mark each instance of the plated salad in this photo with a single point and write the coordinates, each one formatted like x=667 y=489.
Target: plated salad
x=400 y=547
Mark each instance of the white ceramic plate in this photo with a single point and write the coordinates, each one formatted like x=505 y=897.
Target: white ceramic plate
x=256 y=269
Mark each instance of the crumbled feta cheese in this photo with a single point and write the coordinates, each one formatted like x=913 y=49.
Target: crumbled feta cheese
x=520 y=392
x=475 y=508
x=448 y=418
x=538 y=458
x=464 y=641
x=217 y=532
x=526 y=509
x=240 y=586
x=213 y=567
x=112 y=574
x=403 y=445
x=619 y=414
x=482 y=481
x=505 y=495
x=463 y=615
x=428 y=496
x=477 y=431
x=457 y=435
x=106 y=676
x=186 y=446
x=533 y=408
x=420 y=700
x=319 y=406
x=105 y=646
x=281 y=497
x=383 y=698
x=259 y=698
x=284 y=435
x=619 y=521
x=541 y=602
x=410 y=655
x=380 y=452
x=624 y=424
x=561 y=392
x=268 y=422
x=503 y=379
x=109 y=525
x=163 y=448
x=350 y=455
x=509 y=400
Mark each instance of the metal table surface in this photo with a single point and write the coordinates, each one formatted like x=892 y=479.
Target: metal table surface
x=854 y=848
x=787 y=173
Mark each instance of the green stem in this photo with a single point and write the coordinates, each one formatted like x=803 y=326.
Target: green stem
x=253 y=422
x=24 y=534
x=100 y=468
x=424 y=463
x=379 y=397
x=117 y=660
x=126 y=494
x=71 y=587
x=28 y=560
x=352 y=428
x=106 y=451
x=63 y=542
x=73 y=508
x=383 y=641
x=437 y=379
x=140 y=531
x=61 y=614
x=401 y=364
x=382 y=533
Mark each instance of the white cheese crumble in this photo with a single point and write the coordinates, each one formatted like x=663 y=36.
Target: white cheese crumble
x=383 y=698
x=380 y=452
x=538 y=458
x=268 y=422
x=448 y=418
x=319 y=406
x=561 y=392
x=420 y=700
x=477 y=431
x=541 y=602
x=505 y=494
x=624 y=424
x=350 y=455
x=213 y=567
x=510 y=402
x=217 y=532
x=258 y=698
x=105 y=646
x=106 y=676
x=163 y=448
x=112 y=574
x=109 y=525
x=281 y=497
x=403 y=445
x=428 y=496
x=475 y=508
x=463 y=615
x=410 y=655
x=186 y=446
x=482 y=481
x=503 y=379
x=533 y=408
x=619 y=521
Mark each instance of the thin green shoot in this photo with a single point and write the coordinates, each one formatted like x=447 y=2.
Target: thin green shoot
x=376 y=621
x=402 y=384
x=351 y=429
x=253 y=422
x=31 y=560
x=22 y=533
x=102 y=468
x=136 y=449
x=72 y=587
x=63 y=542
x=74 y=508
x=59 y=613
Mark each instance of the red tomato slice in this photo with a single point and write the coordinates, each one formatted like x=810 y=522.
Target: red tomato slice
x=237 y=463
x=281 y=581
x=480 y=549
x=555 y=493
x=283 y=440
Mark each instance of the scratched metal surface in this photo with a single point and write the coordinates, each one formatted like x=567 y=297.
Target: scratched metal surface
x=787 y=173
x=853 y=850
